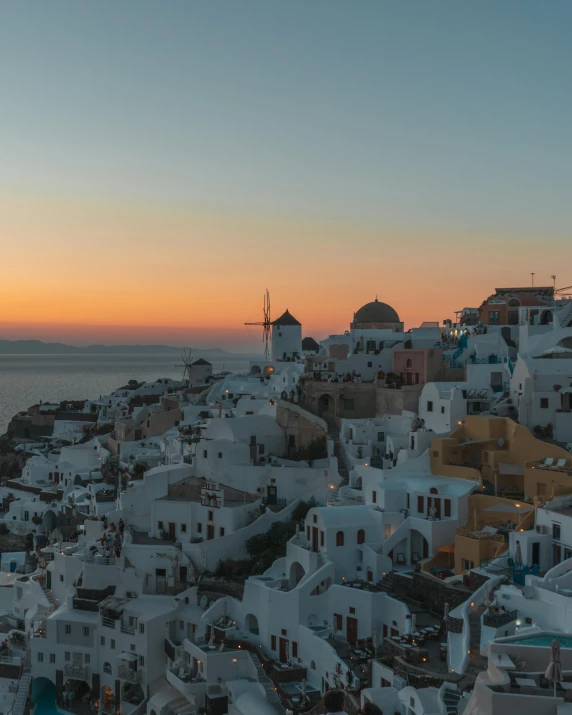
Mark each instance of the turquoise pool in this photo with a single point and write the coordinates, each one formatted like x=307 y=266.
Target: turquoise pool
x=44 y=697
x=543 y=640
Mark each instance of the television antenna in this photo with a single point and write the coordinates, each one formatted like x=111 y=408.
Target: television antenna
x=186 y=358
x=265 y=323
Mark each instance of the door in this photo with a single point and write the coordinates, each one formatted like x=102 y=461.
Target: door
x=77 y=661
x=161 y=580
x=536 y=552
x=172 y=533
x=351 y=630
x=314 y=538
x=271 y=495
x=284 y=650
x=48 y=579
x=183 y=574
x=556 y=551
x=210 y=531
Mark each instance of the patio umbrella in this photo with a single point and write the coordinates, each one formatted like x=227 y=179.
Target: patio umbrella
x=554 y=670
x=446 y=614
x=489 y=600
x=518 y=555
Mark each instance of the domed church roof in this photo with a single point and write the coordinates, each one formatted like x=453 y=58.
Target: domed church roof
x=376 y=312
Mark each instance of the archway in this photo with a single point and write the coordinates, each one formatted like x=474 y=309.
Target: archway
x=255 y=370
x=546 y=317
x=50 y=520
x=326 y=404
x=419 y=546
x=251 y=624
x=296 y=574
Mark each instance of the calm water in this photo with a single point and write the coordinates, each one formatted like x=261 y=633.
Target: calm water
x=27 y=379
x=544 y=640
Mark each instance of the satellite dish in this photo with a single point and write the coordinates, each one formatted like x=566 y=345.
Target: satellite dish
x=500 y=442
x=528 y=592
x=203 y=602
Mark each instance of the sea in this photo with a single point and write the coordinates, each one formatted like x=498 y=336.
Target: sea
x=27 y=379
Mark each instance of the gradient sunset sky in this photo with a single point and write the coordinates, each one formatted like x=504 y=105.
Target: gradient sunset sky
x=162 y=162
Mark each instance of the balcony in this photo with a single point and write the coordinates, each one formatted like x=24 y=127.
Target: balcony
x=129 y=674
x=130 y=630
x=182 y=679
x=497 y=620
x=108 y=622
x=76 y=672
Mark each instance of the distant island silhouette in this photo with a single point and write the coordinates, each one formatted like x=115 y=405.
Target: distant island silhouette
x=38 y=347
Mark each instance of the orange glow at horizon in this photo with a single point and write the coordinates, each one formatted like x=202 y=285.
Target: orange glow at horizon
x=95 y=271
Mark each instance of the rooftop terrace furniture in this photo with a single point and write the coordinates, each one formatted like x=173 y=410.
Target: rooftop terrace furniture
x=549 y=461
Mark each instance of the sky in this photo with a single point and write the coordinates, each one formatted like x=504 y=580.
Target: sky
x=163 y=162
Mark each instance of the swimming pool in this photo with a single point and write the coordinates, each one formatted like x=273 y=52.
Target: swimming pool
x=543 y=640
x=44 y=697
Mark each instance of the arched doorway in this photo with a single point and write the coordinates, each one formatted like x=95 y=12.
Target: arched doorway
x=419 y=546
x=296 y=574
x=326 y=404
x=251 y=624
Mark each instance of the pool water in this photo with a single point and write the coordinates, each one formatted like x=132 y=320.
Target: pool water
x=44 y=697
x=544 y=640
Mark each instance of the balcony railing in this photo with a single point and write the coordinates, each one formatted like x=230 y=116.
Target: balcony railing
x=130 y=630
x=108 y=622
x=129 y=674
x=497 y=620
x=75 y=671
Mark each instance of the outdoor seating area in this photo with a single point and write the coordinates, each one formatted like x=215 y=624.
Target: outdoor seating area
x=552 y=465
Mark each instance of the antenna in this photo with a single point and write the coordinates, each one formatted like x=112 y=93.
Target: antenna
x=266 y=335
x=532 y=274
x=186 y=358
x=553 y=281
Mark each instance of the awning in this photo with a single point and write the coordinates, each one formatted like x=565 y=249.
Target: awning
x=447 y=549
x=130 y=657
x=503 y=508
x=506 y=468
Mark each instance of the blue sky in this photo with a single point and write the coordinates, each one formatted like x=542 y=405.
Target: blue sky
x=444 y=113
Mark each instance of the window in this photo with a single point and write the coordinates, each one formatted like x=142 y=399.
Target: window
x=132 y=646
x=272 y=642
x=85 y=630
x=210 y=516
x=220 y=455
x=181 y=624
x=112 y=644
x=294 y=649
x=442 y=409
x=26 y=516
x=62 y=577
x=361 y=536
x=408 y=499
x=340 y=538
x=205 y=453
x=429 y=406
x=433 y=490
x=67 y=656
x=141 y=660
x=160 y=525
x=141 y=628
x=420 y=505
x=107 y=668
x=260 y=449
x=102 y=640
x=40 y=657
x=370 y=364
x=52 y=657
x=183 y=528
x=315 y=519
x=284 y=632
x=68 y=630
x=447 y=503
x=199 y=527
x=321 y=538
x=86 y=658
x=544 y=403
x=380 y=436
x=556 y=532
x=348 y=404
x=467 y=565
x=338 y=622
x=374 y=497
x=352 y=611
x=494 y=317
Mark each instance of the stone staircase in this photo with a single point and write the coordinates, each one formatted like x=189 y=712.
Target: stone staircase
x=477 y=662
x=451 y=699
x=19 y=706
x=264 y=680
x=49 y=594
